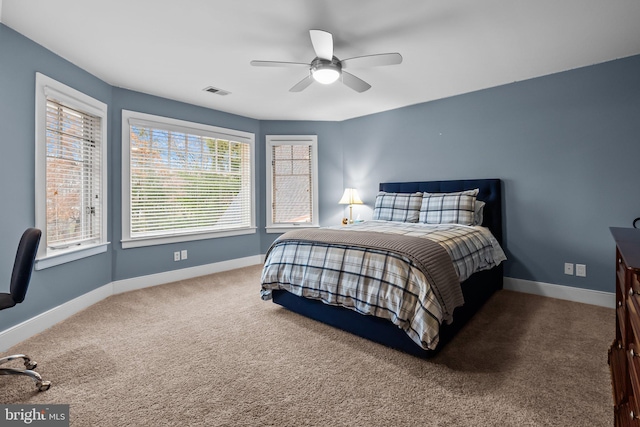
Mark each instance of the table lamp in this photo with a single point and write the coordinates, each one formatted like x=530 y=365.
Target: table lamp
x=350 y=197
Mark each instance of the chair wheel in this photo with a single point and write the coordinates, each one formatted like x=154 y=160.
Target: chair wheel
x=31 y=365
x=43 y=385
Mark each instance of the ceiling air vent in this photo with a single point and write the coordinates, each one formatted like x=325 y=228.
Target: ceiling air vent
x=215 y=90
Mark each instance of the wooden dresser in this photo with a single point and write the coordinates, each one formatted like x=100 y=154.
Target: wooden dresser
x=624 y=354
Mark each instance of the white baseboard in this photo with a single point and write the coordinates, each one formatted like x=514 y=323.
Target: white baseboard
x=28 y=328
x=587 y=296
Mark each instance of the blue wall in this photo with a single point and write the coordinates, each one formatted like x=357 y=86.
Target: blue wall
x=20 y=58
x=566 y=146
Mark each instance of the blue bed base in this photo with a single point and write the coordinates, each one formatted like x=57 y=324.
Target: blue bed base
x=477 y=289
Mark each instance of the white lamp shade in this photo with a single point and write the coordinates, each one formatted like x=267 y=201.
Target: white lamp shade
x=350 y=197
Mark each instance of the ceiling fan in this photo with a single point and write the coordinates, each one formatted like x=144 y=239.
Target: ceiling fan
x=326 y=68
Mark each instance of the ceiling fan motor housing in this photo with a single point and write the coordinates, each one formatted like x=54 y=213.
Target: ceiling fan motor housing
x=325 y=71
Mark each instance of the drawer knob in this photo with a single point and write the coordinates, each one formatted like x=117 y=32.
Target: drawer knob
x=633 y=353
x=634 y=416
x=631 y=292
x=619 y=303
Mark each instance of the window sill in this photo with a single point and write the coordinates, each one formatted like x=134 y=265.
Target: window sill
x=69 y=256
x=288 y=227
x=162 y=240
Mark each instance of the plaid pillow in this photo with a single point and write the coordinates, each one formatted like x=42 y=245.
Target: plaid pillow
x=479 y=215
x=402 y=207
x=449 y=208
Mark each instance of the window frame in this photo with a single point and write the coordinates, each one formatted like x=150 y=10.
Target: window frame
x=49 y=257
x=308 y=140
x=177 y=125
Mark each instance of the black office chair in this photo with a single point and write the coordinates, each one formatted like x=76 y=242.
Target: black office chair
x=25 y=258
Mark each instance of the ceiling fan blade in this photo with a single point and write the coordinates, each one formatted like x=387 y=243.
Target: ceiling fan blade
x=354 y=82
x=302 y=84
x=278 y=64
x=322 y=42
x=372 y=60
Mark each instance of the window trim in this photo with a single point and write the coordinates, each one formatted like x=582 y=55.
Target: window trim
x=309 y=140
x=46 y=85
x=168 y=123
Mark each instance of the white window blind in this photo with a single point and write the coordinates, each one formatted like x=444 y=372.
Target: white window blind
x=70 y=173
x=292 y=187
x=73 y=165
x=292 y=184
x=186 y=181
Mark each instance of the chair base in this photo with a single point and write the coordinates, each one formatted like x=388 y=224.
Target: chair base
x=30 y=365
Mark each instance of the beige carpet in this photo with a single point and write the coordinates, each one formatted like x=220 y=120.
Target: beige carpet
x=209 y=352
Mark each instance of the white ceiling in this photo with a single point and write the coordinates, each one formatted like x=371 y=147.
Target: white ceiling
x=176 y=48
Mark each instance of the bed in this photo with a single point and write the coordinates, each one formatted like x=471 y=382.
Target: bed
x=298 y=261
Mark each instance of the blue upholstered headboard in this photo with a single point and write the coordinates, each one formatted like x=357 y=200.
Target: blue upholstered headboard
x=490 y=193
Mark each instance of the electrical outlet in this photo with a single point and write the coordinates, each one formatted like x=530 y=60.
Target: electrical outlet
x=183 y=254
x=176 y=256
x=581 y=270
x=568 y=268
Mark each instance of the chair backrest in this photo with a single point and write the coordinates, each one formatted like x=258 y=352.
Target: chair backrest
x=23 y=265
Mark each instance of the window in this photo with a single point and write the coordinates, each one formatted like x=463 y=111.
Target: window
x=184 y=181
x=71 y=173
x=292 y=182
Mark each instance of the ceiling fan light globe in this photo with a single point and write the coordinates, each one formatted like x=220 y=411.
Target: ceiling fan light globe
x=326 y=75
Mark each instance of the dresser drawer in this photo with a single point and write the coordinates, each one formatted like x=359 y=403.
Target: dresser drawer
x=633 y=363
x=619 y=375
x=626 y=416
x=632 y=417
x=621 y=320
x=621 y=270
x=633 y=317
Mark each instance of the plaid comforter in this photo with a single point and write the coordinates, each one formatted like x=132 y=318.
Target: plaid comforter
x=379 y=282
x=471 y=248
